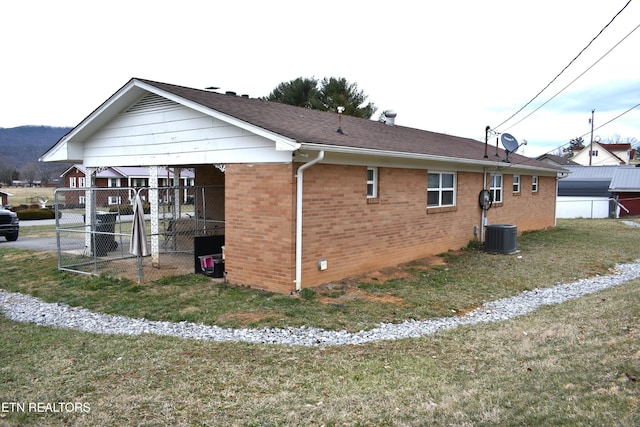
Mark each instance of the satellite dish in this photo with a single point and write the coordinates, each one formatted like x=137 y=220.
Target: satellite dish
x=509 y=142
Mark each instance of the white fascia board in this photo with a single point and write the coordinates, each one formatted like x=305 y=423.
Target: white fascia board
x=460 y=164
x=282 y=143
x=466 y=164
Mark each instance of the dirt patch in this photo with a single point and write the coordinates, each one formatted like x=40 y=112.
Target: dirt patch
x=400 y=271
x=355 y=294
x=348 y=289
x=245 y=318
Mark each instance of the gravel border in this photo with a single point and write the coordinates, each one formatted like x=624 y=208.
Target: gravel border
x=27 y=309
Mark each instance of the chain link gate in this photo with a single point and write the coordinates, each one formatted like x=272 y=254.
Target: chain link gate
x=94 y=229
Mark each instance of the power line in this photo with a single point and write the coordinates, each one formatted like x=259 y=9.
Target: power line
x=574 y=80
x=615 y=118
x=595 y=129
x=565 y=68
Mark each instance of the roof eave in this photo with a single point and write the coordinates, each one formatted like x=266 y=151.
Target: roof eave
x=283 y=143
x=425 y=157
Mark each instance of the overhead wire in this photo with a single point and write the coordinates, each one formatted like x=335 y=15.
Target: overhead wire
x=574 y=80
x=595 y=129
x=564 y=69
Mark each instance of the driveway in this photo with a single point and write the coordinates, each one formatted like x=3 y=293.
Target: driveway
x=33 y=243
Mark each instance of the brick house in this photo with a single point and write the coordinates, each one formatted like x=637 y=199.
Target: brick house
x=4 y=198
x=120 y=179
x=312 y=197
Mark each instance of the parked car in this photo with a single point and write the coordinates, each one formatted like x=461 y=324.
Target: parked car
x=9 y=224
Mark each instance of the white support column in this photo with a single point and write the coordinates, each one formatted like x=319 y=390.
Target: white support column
x=89 y=204
x=153 y=200
x=177 y=200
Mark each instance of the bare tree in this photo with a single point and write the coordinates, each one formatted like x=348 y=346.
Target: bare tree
x=29 y=172
x=7 y=170
x=617 y=139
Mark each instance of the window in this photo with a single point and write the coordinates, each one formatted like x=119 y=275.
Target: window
x=82 y=181
x=114 y=200
x=82 y=200
x=138 y=182
x=534 y=184
x=441 y=189
x=495 y=187
x=594 y=153
x=516 y=183
x=72 y=181
x=114 y=182
x=372 y=183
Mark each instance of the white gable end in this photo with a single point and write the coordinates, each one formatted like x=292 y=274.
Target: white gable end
x=158 y=131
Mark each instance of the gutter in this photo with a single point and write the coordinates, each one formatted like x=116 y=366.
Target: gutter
x=417 y=156
x=299 y=191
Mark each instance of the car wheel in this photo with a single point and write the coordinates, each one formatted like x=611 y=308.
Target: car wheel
x=11 y=237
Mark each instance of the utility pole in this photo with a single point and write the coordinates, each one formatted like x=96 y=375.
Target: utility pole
x=591 y=145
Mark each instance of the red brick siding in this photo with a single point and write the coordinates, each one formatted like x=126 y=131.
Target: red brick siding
x=260 y=226
x=526 y=209
x=356 y=235
x=353 y=233
x=215 y=206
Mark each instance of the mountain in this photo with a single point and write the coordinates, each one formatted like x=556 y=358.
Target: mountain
x=25 y=144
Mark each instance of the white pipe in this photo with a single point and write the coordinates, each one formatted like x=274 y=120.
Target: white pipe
x=299 y=177
x=482 y=217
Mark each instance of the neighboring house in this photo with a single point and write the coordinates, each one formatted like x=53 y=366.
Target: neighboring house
x=625 y=189
x=4 y=198
x=553 y=159
x=600 y=154
x=599 y=192
x=117 y=178
x=311 y=197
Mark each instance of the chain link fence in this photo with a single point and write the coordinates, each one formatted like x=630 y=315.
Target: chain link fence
x=94 y=230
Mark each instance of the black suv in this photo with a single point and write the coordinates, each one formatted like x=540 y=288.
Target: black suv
x=9 y=224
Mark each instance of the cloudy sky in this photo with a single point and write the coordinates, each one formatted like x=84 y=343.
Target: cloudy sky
x=451 y=67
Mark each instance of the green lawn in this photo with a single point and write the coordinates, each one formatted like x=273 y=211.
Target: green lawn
x=569 y=364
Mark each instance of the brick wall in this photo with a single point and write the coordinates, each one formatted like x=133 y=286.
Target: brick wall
x=353 y=233
x=526 y=209
x=357 y=235
x=260 y=226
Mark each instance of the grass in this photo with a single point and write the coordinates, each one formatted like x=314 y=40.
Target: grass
x=563 y=365
x=459 y=282
x=570 y=364
x=29 y=195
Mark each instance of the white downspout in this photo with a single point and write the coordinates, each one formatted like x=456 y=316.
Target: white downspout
x=482 y=215
x=299 y=177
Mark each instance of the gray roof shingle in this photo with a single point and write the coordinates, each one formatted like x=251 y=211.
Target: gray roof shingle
x=308 y=126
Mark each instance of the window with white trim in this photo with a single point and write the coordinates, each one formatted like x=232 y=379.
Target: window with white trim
x=441 y=189
x=516 y=183
x=72 y=182
x=82 y=181
x=114 y=200
x=534 y=184
x=372 y=183
x=495 y=187
x=114 y=182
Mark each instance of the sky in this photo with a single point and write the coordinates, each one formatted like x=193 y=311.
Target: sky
x=452 y=67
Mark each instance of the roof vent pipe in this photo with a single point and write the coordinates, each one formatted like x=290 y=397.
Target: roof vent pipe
x=390 y=117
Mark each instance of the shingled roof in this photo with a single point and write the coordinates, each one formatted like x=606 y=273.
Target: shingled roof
x=320 y=128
